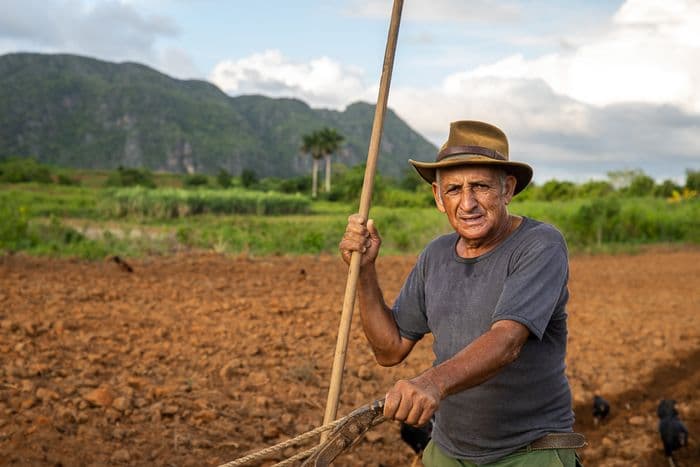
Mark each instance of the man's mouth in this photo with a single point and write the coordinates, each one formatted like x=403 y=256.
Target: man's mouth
x=471 y=218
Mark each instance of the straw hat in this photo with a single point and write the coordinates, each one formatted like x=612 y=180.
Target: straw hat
x=475 y=143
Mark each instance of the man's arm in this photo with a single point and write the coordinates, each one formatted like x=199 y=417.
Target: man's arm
x=389 y=347
x=414 y=401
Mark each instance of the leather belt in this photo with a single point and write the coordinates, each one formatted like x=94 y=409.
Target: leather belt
x=557 y=441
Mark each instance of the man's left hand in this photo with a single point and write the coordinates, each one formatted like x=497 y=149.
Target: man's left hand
x=413 y=401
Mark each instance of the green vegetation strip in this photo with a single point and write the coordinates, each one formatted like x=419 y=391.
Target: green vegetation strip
x=130 y=212
x=167 y=203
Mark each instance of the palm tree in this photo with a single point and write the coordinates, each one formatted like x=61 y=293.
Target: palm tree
x=312 y=144
x=330 y=142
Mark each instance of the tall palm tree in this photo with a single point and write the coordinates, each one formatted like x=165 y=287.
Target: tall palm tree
x=313 y=144
x=330 y=142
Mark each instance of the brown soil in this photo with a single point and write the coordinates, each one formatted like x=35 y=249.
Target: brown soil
x=197 y=360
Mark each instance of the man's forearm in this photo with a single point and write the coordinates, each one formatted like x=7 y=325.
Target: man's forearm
x=480 y=360
x=377 y=321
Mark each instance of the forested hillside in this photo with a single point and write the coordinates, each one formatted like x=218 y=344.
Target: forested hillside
x=80 y=112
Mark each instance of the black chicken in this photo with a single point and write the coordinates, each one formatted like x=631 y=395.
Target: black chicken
x=416 y=437
x=673 y=432
x=601 y=409
x=122 y=264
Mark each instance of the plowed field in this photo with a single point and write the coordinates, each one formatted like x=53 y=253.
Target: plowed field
x=196 y=360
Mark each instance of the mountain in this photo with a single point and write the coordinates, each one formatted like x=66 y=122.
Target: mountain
x=76 y=111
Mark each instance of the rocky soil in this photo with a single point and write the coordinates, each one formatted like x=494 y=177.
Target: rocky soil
x=197 y=360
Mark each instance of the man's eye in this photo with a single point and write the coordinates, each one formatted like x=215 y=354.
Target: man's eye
x=481 y=188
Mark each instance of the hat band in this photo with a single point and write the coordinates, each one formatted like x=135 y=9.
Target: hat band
x=480 y=150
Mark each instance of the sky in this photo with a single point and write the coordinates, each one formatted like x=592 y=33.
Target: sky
x=581 y=87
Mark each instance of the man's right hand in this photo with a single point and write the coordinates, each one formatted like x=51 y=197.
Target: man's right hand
x=362 y=236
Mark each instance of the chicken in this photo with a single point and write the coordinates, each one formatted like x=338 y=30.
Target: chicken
x=601 y=409
x=673 y=432
x=416 y=437
x=122 y=264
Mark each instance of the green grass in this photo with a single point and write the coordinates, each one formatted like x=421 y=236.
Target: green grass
x=65 y=220
x=167 y=203
x=58 y=200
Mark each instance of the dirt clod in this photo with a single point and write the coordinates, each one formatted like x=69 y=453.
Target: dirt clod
x=201 y=359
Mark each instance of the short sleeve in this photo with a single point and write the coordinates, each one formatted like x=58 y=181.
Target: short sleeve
x=409 y=308
x=535 y=286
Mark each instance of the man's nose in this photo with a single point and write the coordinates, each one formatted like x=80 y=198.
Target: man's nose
x=467 y=201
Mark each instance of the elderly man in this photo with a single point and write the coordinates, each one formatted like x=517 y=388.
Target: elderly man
x=493 y=294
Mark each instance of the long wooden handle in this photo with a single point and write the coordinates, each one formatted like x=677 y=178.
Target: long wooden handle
x=365 y=201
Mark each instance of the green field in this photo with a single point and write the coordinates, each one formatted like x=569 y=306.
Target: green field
x=85 y=218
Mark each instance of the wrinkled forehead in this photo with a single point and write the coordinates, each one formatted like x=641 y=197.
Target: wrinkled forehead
x=470 y=173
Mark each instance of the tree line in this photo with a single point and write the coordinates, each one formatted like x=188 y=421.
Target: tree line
x=321 y=145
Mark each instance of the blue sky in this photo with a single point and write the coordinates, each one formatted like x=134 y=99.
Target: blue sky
x=580 y=87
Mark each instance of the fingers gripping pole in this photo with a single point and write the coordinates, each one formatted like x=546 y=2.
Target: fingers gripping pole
x=365 y=201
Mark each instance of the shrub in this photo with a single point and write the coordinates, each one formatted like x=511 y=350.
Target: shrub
x=124 y=177
x=556 y=190
x=641 y=185
x=195 y=180
x=593 y=222
x=666 y=189
x=63 y=179
x=692 y=179
x=295 y=185
x=348 y=186
x=530 y=192
x=224 y=179
x=248 y=178
x=410 y=180
x=14 y=228
x=20 y=169
x=594 y=189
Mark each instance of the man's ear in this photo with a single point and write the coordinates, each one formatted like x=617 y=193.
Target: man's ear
x=438 y=197
x=510 y=182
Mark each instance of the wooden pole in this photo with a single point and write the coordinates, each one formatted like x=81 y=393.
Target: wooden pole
x=365 y=201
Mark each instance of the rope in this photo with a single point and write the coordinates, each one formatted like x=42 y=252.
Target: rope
x=297 y=457
x=285 y=444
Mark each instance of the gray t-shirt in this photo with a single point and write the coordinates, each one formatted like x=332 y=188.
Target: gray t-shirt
x=523 y=279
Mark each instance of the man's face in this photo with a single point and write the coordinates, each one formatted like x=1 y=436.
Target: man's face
x=474 y=199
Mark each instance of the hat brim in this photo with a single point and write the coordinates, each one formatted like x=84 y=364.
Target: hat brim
x=521 y=171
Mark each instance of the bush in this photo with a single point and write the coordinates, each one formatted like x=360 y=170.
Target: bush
x=248 y=178
x=692 y=179
x=666 y=189
x=195 y=180
x=295 y=185
x=20 y=170
x=348 y=186
x=593 y=222
x=224 y=179
x=63 y=179
x=556 y=190
x=594 y=189
x=530 y=192
x=641 y=185
x=410 y=180
x=14 y=228
x=125 y=177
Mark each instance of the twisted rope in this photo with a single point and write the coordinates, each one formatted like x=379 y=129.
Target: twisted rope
x=285 y=444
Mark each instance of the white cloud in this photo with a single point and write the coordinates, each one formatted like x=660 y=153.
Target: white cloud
x=322 y=82
x=626 y=99
x=651 y=54
x=110 y=30
x=178 y=63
